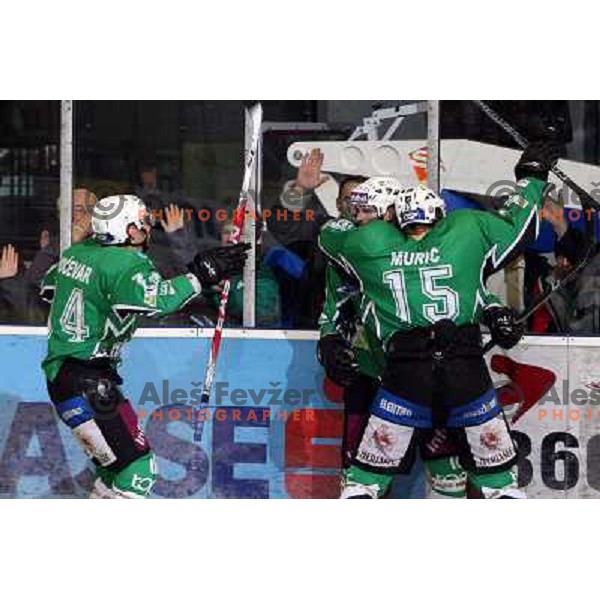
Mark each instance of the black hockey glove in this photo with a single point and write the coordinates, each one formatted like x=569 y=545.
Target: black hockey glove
x=503 y=326
x=216 y=264
x=338 y=359
x=537 y=160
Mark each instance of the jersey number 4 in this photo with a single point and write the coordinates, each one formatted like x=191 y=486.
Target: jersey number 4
x=73 y=317
x=445 y=303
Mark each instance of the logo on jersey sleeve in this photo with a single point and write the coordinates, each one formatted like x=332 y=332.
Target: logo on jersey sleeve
x=516 y=200
x=150 y=285
x=340 y=225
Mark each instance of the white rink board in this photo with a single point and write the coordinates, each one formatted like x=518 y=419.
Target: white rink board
x=558 y=457
x=559 y=453
x=584 y=363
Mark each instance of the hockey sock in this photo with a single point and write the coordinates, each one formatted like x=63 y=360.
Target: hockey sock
x=136 y=479
x=448 y=478
x=105 y=475
x=358 y=482
x=502 y=484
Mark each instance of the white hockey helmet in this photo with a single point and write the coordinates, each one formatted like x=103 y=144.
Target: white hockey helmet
x=419 y=205
x=378 y=193
x=113 y=215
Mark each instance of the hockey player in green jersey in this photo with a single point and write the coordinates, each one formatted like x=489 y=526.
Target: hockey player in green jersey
x=350 y=353
x=424 y=295
x=98 y=290
x=353 y=356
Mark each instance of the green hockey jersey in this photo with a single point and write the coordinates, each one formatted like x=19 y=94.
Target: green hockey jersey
x=407 y=283
x=339 y=293
x=98 y=293
x=342 y=297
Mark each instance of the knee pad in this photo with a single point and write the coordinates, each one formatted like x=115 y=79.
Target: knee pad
x=499 y=485
x=357 y=402
x=106 y=428
x=79 y=416
x=137 y=479
x=387 y=443
x=448 y=478
x=485 y=442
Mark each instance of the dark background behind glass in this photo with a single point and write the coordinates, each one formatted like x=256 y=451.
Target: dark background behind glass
x=196 y=148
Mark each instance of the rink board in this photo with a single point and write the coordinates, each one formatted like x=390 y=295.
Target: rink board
x=270 y=432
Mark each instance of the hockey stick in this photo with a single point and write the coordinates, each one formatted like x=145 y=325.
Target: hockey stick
x=254 y=116
x=584 y=198
x=556 y=285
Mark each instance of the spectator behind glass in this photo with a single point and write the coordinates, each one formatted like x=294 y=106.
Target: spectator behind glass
x=347 y=186
x=19 y=288
x=81 y=227
x=295 y=222
x=10 y=290
x=195 y=234
x=267 y=302
x=584 y=308
x=19 y=291
x=9 y=262
x=573 y=308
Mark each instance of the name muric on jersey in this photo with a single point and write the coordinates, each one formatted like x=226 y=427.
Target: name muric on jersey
x=69 y=267
x=410 y=259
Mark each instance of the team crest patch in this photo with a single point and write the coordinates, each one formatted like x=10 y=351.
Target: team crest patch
x=340 y=225
x=383 y=444
x=490 y=437
x=516 y=199
x=490 y=443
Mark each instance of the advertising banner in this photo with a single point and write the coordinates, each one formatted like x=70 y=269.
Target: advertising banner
x=270 y=430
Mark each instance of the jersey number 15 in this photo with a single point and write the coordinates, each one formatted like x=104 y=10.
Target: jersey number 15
x=445 y=303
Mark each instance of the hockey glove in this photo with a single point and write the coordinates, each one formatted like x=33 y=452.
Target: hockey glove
x=216 y=264
x=338 y=359
x=537 y=160
x=503 y=326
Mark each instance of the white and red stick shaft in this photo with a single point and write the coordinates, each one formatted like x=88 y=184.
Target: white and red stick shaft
x=255 y=117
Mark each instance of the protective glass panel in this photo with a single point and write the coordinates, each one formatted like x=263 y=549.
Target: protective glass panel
x=187 y=154
x=355 y=139
x=183 y=159
x=29 y=190
x=479 y=153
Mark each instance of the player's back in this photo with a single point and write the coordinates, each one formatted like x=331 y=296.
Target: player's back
x=82 y=323
x=415 y=283
x=367 y=252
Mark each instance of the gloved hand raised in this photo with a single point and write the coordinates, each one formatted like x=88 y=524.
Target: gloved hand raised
x=214 y=265
x=537 y=160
